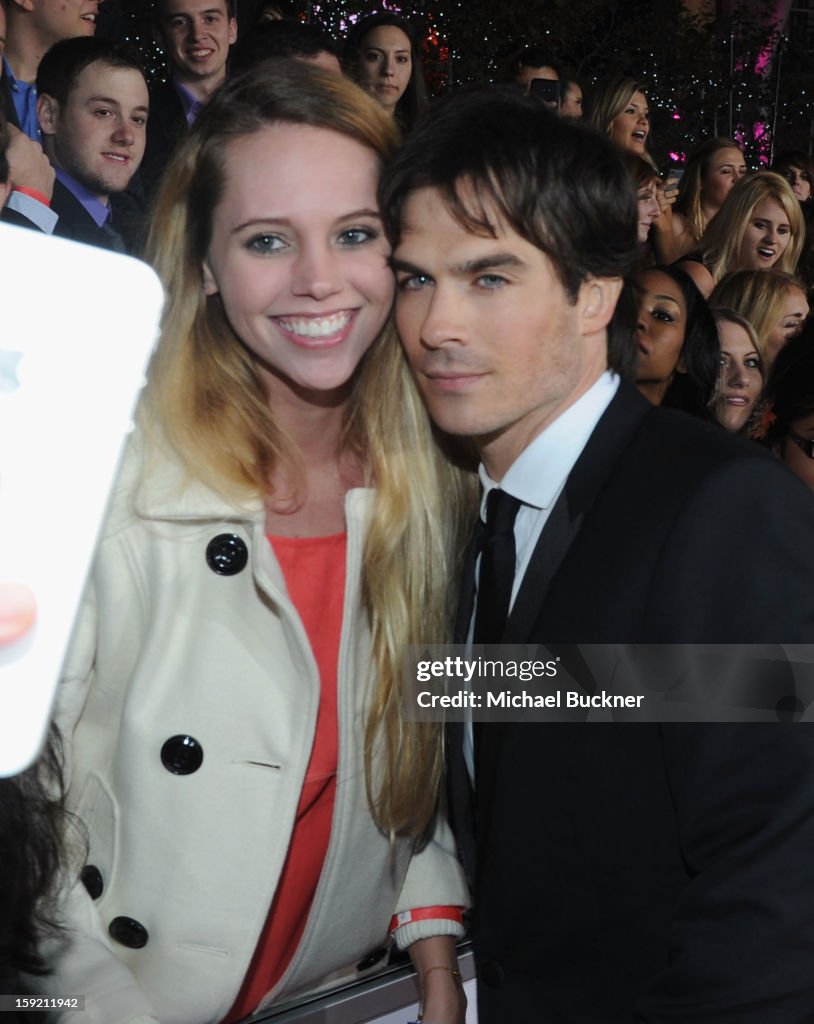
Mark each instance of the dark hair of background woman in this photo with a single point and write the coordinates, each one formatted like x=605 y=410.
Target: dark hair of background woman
x=692 y=389
x=414 y=100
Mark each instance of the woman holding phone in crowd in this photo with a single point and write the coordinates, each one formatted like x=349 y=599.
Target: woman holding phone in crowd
x=257 y=808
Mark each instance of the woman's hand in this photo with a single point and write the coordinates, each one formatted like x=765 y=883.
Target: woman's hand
x=443 y=1000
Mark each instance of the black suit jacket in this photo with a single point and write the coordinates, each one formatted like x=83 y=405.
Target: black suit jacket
x=650 y=872
x=166 y=124
x=76 y=223
x=7 y=100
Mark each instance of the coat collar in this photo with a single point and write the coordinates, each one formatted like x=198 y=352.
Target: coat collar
x=164 y=490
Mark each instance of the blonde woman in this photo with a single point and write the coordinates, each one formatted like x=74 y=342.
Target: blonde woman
x=742 y=373
x=760 y=226
x=773 y=302
x=712 y=170
x=620 y=110
x=257 y=809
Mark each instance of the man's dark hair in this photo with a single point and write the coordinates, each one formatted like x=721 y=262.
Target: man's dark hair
x=159 y=15
x=66 y=60
x=533 y=57
x=271 y=39
x=496 y=156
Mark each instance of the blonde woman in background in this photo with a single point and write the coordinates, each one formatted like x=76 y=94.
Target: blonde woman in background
x=620 y=109
x=712 y=170
x=773 y=302
x=760 y=226
x=257 y=808
x=742 y=374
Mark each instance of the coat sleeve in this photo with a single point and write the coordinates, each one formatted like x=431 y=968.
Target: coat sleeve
x=434 y=878
x=741 y=567
x=742 y=934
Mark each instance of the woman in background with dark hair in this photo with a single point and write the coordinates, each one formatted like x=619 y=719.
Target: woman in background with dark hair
x=679 y=354
x=31 y=850
x=797 y=168
x=646 y=182
x=381 y=54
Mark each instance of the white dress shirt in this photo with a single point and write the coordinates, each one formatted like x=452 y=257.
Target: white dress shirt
x=536 y=478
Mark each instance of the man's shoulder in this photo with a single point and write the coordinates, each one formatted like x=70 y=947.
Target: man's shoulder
x=687 y=448
x=165 y=106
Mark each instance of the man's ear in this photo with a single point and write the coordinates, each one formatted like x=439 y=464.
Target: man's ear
x=232 y=37
x=48 y=113
x=596 y=302
x=26 y=5
x=210 y=285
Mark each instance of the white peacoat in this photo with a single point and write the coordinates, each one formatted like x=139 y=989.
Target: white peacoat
x=188 y=710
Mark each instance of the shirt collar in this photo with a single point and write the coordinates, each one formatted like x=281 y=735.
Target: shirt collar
x=537 y=475
x=191 y=104
x=98 y=210
x=9 y=74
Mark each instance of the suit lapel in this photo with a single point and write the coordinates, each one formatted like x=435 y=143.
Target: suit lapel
x=610 y=437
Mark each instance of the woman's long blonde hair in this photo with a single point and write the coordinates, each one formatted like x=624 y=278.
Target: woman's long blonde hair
x=759 y=296
x=689 y=201
x=721 y=244
x=205 y=397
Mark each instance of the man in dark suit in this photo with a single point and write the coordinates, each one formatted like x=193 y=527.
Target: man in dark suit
x=643 y=872
x=93 y=106
x=196 y=36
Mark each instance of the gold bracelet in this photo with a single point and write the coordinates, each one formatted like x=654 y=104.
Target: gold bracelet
x=456 y=974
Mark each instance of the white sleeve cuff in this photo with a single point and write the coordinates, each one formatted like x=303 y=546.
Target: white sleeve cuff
x=38 y=213
x=407 y=934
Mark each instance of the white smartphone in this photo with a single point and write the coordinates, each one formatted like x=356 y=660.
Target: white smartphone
x=77 y=326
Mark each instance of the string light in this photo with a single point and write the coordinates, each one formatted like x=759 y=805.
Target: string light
x=700 y=77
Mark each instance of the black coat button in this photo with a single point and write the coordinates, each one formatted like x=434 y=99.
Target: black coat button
x=182 y=755
x=227 y=554
x=128 y=932
x=92 y=880
x=491 y=974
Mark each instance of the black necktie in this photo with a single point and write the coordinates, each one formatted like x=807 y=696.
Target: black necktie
x=497 y=566
x=113 y=240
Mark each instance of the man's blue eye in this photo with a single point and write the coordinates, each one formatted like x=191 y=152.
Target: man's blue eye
x=414 y=282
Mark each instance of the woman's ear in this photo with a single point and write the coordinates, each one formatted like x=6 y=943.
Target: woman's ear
x=210 y=285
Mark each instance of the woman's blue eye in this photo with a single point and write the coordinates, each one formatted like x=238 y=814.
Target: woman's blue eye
x=265 y=244
x=357 y=236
